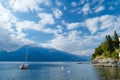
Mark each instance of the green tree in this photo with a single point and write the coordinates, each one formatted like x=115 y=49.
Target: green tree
x=110 y=44
x=116 y=40
x=98 y=51
x=115 y=55
x=93 y=56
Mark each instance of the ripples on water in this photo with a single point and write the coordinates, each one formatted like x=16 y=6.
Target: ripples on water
x=57 y=71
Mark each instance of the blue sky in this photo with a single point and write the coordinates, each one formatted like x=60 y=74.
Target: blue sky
x=75 y=26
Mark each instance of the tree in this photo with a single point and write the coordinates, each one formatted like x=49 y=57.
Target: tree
x=98 y=51
x=116 y=40
x=93 y=56
x=110 y=45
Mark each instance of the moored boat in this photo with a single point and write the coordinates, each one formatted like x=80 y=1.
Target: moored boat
x=25 y=66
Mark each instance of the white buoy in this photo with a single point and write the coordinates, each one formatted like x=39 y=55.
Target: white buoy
x=68 y=71
x=62 y=68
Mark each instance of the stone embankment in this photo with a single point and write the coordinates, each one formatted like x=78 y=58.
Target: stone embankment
x=107 y=62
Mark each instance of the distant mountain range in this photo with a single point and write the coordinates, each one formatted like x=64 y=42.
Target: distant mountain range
x=39 y=54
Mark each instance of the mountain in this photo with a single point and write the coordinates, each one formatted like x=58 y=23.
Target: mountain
x=87 y=58
x=38 y=54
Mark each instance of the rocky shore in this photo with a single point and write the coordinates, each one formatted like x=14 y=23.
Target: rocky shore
x=104 y=62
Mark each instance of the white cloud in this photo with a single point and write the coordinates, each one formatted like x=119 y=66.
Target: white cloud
x=82 y=1
x=78 y=10
x=58 y=3
x=6 y=15
x=65 y=8
x=74 y=36
x=57 y=13
x=100 y=8
x=74 y=4
x=86 y=8
x=27 y=25
x=10 y=39
x=108 y=21
x=86 y=52
x=74 y=25
x=102 y=23
x=46 y=18
x=60 y=28
x=92 y=24
x=6 y=19
x=27 y=5
x=75 y=43
x=63 y=22
x=97 y=23
x=23 y=5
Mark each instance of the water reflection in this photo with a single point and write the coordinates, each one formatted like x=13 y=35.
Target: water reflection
x=108 y=73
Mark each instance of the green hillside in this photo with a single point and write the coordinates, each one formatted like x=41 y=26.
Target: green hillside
x=109 y=48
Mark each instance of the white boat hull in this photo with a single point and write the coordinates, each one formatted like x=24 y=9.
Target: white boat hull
x=24 y=66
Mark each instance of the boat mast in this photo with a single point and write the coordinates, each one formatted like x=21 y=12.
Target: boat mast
x=26 y=55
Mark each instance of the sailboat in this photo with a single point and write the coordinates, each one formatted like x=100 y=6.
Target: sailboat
x=25 y=66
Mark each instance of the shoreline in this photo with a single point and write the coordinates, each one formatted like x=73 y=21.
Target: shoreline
x=105 y=65
x=105 y=62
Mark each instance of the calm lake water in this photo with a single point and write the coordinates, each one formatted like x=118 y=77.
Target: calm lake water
x=57 y=71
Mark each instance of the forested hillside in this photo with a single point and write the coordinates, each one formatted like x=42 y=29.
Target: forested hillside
x=109 y=48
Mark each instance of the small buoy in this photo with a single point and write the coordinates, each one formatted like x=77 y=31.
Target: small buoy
x=62 y=68
x=68 y=72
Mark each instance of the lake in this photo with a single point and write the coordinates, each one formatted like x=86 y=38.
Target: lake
x=57 y=71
